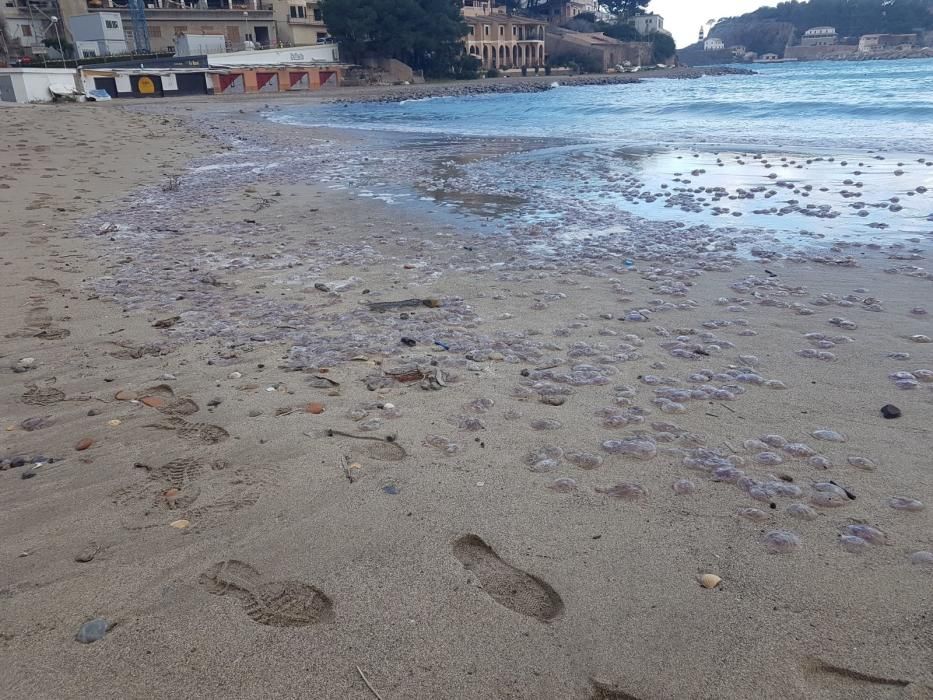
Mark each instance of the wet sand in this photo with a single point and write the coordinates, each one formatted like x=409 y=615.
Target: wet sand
x=488 y=513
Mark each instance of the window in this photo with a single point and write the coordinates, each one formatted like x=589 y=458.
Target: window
x=112 y=24
x=514 y=31
x=471 y=30
x=26 y=29
x=486 y=30
x=321 y=36
x=183 y=29
x=155 y=32
x=296 y=11
x=501 y=31
x=318 y=15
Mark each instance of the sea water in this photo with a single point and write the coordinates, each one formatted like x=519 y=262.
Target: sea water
x=834 y=149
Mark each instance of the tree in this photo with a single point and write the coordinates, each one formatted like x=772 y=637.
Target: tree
x=425 y=34
x=662 y=47
x=623 y=31
x=626 y=8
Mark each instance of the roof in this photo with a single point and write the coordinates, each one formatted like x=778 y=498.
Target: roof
x=820 y=30
x=503 y=19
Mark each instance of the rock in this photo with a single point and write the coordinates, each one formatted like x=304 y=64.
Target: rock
x=152 y=401
x=88 y=553
x=83 y=444
x=36 y=423
x=125 y=395
x=890 y=411
x=93 y=630
x=254 y=413
x=315 y=408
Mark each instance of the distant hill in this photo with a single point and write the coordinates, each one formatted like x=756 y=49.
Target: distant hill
x=771 y=29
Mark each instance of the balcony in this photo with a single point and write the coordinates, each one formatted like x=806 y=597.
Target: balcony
x=194 y=13
x=306 y=21
x=209 y=8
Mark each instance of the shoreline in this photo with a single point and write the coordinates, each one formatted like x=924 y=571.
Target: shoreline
x=269 y=256
x=526 y=84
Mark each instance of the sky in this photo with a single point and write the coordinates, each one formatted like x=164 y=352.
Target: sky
x=683 y=18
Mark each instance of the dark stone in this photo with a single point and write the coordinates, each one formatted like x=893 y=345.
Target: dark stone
x=890 y=411
x=410 y=342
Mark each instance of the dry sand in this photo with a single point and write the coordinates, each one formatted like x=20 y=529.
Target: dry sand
x=439 y=575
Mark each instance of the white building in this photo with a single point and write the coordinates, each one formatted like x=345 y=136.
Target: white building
x=33 y=84
x=303 y=55
x=819 y=36
x=713 y=45
x=649 y=24
x=98 y=34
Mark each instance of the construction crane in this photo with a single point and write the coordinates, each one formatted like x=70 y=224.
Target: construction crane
x=140 y=26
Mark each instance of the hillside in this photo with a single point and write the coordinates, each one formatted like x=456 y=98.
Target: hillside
x=771 y=29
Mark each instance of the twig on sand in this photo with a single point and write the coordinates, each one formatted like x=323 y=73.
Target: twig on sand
x=366 y=681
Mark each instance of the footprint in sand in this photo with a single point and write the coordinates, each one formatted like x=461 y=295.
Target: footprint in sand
x=276 y=603
x=608 y=691
x=42 y=396
x=510 y=587
x=197 y=432
x=186 y=488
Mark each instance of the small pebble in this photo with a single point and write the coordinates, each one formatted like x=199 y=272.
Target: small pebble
x=93 y=630
x=890 y=411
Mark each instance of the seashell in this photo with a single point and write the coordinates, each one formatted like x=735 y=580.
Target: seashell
x=180 y=524
x=114 y=423
x=125 y=395
x=709 y=580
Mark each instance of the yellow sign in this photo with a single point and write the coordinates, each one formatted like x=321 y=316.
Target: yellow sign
x=146 y=86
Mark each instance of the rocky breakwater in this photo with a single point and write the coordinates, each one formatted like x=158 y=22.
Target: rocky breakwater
x=528 y=85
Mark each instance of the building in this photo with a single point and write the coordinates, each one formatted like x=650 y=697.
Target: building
x=713 y=45
x=769 y=58
x=98 y=34
x=34 y=84
x=562 y=12
x=24 y=25
x=243 y=23
x=275 y=70
x=819 y=36
x=299 y=22
x=500 y=40
x=870 y=43
x=649 y=24
x=603 y=50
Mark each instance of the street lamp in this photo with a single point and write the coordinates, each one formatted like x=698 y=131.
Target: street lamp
x=245 y=28
x=54 y=20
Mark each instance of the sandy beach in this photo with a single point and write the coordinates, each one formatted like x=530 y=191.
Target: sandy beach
x=224 y=436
